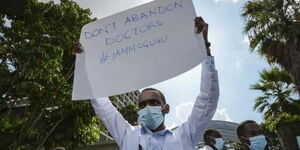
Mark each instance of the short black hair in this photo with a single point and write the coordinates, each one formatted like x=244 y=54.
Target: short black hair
x=160 y=93
x=240 y=130
x=207 y=133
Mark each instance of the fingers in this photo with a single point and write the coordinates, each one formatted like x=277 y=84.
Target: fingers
x=77 y=48
x=199 y=20
x=202 y=28
x=205 y=27
x=200 y=24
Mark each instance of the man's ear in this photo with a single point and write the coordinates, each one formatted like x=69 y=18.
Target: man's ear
x=166 y=109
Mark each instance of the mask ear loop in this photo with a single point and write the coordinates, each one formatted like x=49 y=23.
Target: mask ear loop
x=164 y=106
x=162 y=109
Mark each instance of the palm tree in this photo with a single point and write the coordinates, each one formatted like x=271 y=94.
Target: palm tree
x=279 y=92
x=273 y=28
x=278 y=100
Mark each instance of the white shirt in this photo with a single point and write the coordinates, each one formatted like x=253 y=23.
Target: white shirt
x=206 y=147
x=185 y=137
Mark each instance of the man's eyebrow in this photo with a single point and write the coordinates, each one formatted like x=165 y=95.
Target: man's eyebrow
x=156 y=100
x=252 y=131
x=153 y=99
x=150 y=100
x=141 y=102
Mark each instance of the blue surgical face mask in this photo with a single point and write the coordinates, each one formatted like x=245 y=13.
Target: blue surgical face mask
x=258 y=142
x=151 y=117
x=219 y=143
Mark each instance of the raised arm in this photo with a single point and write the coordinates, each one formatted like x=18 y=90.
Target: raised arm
x=114 y=122
x=206 y=103
x=112 y=119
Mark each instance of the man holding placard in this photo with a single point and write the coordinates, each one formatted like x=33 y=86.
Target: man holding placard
x=152 y=134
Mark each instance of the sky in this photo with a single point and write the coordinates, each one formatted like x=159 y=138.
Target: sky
x=237 y=66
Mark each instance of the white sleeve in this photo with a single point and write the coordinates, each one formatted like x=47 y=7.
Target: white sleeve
x=205 y=105
x=112 y=119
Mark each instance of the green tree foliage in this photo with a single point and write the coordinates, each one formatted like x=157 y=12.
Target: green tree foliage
x=129 y=113
x=273 y=28
x=286 y=126
x=272 y=137
x=229 y=145
x=36 y=71
x=279 y=93
x=280 y=106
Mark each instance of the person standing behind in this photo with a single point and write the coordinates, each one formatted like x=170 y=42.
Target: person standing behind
x=251 y=135
x=213 y=140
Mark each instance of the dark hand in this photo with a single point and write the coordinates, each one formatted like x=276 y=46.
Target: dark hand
x=77 y=48
x=201 y=26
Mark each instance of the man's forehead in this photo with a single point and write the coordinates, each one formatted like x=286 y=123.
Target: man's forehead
x=252 y=127
x=216 y=134
x=150 y=94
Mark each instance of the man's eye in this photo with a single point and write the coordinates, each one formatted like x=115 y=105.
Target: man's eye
x=253 y=133
x=154 y=103
x=141 y=105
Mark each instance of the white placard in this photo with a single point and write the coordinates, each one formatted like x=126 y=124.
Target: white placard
x=137 y=48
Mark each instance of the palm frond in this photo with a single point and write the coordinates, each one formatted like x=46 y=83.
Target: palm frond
x=277 y=91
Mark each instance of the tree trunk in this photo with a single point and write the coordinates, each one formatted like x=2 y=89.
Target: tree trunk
x=287 y=133
x=40 y=147
x=294 y=57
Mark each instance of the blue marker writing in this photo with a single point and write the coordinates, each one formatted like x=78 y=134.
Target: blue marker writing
x=99 y=31
x=104 y=57
x=159 y=10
